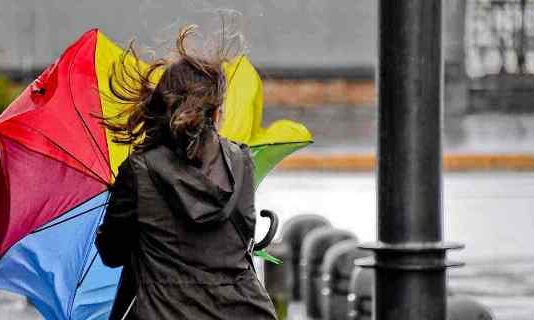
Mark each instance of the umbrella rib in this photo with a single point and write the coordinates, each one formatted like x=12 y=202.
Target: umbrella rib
x=78 y=113
x=59 y=222
x=69 y=218
x=96 y=175
x=95 y=143
x=74 y=208
x=92 y=239
x=86 y=271
x=235 y=71
x=279 y=143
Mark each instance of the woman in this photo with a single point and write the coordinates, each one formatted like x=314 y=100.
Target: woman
x=171 y=213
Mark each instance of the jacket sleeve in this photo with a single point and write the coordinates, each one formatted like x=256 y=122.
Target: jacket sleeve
x=249 y=180
x=118 y=232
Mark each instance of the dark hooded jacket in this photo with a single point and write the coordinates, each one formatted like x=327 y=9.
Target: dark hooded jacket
x=168 y=224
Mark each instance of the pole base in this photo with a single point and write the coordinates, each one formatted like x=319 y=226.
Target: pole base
x=409 y=256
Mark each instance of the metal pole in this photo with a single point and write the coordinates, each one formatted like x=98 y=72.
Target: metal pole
x=410 y=255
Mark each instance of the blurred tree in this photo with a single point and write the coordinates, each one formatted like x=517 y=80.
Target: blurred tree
x=8 y=91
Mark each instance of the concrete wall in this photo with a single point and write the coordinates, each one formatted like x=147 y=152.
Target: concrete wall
x=301 y=33
x=288 y=33
x=337 y=35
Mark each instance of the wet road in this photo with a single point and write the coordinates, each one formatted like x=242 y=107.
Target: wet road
x=13 y=307
x=489 y=212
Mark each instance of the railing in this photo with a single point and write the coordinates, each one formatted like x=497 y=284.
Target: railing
x=499 y=37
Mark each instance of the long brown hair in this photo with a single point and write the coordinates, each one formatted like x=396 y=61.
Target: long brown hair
x=179 y=108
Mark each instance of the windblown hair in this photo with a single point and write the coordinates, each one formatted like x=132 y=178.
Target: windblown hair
x=179 y=108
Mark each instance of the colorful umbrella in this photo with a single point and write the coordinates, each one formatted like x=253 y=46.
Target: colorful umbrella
x=57 y=163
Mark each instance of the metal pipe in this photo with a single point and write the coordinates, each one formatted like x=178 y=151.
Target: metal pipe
x=410 y=86
x=410 y=255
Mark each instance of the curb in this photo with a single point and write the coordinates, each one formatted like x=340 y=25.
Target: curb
x=367 y=162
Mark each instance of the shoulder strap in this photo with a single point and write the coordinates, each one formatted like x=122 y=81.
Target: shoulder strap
x=240 y=226
x=238 y=221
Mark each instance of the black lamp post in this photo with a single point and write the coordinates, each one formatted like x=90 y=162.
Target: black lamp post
x=410 y=255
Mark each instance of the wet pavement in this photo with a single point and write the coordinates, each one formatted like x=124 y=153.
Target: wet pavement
x=13 y=307
x=491 y=213
x=506 y=285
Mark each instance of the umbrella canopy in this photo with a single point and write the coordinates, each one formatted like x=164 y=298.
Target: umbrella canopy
x=57 y=163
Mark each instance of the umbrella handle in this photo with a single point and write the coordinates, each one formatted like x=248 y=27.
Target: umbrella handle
x=272 y=230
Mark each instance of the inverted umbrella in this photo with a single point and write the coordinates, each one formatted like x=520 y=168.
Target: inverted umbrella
x=57 y=163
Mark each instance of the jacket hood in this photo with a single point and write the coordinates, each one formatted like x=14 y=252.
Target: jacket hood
x=188 y=191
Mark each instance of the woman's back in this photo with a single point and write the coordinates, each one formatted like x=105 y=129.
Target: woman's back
x=187 y=260
x=183 y=216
